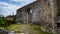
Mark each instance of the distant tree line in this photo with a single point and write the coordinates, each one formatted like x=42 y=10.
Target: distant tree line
x=4 y=22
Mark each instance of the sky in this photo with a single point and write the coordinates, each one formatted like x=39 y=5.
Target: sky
x=8 y=7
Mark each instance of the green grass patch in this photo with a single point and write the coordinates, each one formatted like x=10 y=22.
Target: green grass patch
x=20 y=27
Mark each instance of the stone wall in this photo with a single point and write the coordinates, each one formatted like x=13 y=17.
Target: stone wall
x=29 y=13
x=47 y=14
x=42 y=11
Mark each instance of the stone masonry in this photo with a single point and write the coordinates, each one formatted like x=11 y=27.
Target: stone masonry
x=29 y=13
x=43 y=12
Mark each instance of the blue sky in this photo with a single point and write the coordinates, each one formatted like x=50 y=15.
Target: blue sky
x=8 y=7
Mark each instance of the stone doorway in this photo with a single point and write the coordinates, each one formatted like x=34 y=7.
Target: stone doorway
x=28 y=13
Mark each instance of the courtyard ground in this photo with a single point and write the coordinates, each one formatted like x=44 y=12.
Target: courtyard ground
x=26 y=29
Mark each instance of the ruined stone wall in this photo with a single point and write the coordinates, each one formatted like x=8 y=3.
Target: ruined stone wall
x=48 y=12
x=45 y=10
x=21 y=15
x=36 y=13
x=42 y=10
x=57 y=14
x=30 y=12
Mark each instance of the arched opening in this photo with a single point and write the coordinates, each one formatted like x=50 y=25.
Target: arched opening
x=29 y=13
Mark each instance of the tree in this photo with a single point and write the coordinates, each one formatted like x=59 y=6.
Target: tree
x=14 y=19
x=2 y=20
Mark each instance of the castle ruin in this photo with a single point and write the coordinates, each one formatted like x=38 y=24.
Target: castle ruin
x=43 y=12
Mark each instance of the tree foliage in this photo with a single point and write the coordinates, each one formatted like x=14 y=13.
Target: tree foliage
x=14 y=19
x=2 y=20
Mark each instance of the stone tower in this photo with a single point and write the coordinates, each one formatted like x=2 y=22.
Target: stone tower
x=50 y=12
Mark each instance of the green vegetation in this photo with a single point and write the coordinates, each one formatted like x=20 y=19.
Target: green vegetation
x=14 y=19
x=33 y=29
x=24 y=27
x=2 y=21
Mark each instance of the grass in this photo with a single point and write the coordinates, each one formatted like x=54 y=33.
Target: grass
x=1 y=27
x=20 y=27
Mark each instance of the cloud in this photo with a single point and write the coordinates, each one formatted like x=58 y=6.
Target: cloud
x=7 y=8
x=18 y=0
x=23 y=0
